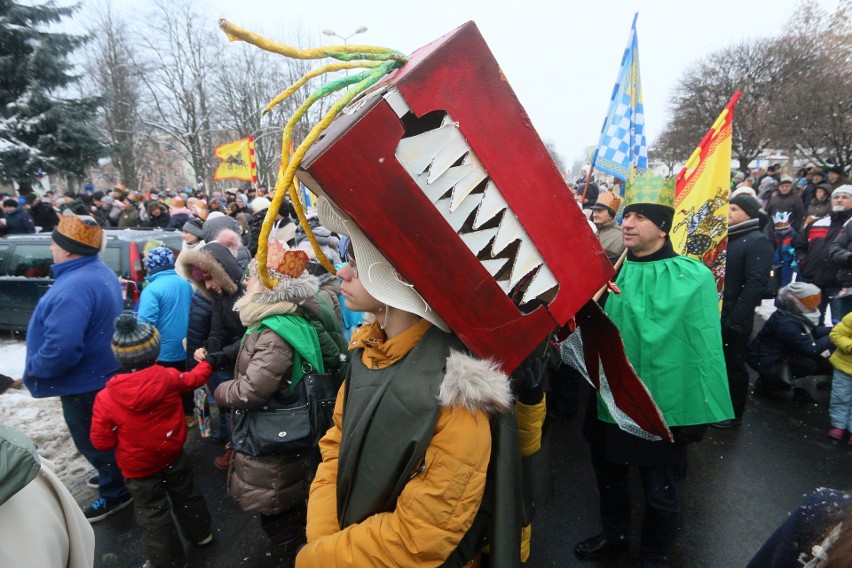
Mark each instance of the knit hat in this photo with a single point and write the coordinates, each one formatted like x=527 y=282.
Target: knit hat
x=781 y=220
x=843 y=190
x=260 y=204
x=661 y=215
x=9 y=202
x=808 y=294
x=193 y=227
x=79 y=234
x=135 y=345
x=376 y=274
x=155 y=205
x=748 y=204
x=159 y=258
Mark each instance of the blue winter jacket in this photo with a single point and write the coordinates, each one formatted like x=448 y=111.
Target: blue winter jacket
x=165 y=303
x=70 y=333
x=784 y=334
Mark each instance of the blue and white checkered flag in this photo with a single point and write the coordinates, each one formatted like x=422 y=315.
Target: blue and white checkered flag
x=622 y=143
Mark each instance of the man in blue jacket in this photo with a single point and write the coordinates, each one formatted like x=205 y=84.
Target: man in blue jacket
x=69 y=351
x=164 y=303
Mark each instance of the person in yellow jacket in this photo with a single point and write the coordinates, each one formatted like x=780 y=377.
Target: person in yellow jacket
x=840 y=406
x=404 y=466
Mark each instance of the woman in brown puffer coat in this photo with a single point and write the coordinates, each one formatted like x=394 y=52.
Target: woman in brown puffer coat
x=274 y=486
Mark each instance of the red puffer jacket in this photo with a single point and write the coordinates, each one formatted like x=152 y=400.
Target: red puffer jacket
x=141 y=416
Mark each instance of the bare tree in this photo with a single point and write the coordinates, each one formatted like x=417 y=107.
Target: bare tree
x=815 y=114
x=751 y=67
x=108 y=63
x=177 y=64
x=672 y=146
x=248 y=79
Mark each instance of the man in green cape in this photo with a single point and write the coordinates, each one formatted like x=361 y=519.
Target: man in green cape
x=668 y=315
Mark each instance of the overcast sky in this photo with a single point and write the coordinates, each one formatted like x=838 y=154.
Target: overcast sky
x=560 y=56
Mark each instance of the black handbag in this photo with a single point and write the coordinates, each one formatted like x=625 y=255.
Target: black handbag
x=290 y=422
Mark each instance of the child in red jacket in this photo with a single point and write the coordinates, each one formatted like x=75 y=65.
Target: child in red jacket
x=139 y=413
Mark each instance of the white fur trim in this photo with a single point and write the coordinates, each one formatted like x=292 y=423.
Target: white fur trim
x=475 y=384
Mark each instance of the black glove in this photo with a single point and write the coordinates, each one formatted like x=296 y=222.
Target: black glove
x=217 y=360
x=528 y=379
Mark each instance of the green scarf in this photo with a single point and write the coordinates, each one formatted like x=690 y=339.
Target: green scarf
x=301 y=336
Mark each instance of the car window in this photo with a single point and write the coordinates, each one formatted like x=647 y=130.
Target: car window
x=112 y=258
x=4 y=248
x=31 y=260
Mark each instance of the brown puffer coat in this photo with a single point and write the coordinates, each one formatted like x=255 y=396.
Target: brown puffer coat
x=274 y=484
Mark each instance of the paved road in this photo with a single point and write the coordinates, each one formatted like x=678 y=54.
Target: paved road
x=740 y=485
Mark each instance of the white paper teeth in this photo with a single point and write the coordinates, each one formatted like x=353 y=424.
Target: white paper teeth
x=510 y=231
x=457 y=218
x=418 y=152
x=478 y=240
x=494 y=266
x=541 y=283
x=429 y=158
x=476 y=173
x=436 y=190
x=526 y=261
x=492 y=204
x=397 y=103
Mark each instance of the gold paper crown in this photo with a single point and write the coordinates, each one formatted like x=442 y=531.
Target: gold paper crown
x=287 y=262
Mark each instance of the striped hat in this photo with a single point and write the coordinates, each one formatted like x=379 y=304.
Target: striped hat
x=135 y=345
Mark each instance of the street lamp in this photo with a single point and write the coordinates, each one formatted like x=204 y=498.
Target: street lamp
x=333 y=33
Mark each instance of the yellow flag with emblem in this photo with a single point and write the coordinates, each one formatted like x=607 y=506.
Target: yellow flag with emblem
x=700 y=227
x=238 y=161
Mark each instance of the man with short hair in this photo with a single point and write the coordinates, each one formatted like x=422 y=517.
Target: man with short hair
x=609 y=233
x=69 y=346
x=749 y=260
x=786 y=200
x=681 y=365
x=16 y=220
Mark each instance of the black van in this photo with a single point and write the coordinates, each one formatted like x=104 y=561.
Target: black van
x=25 y=262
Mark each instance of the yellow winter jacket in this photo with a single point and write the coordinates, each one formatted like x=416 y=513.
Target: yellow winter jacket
x=438 y=505
x=841 y=336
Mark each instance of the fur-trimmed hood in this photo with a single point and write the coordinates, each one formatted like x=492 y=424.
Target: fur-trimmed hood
x=475 y=384
x=293 y=290
x=214 y=259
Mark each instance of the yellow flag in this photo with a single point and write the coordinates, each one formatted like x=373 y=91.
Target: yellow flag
x=237 y=160
x=700 y=227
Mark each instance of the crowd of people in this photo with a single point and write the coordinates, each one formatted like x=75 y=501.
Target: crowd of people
x=422 y=433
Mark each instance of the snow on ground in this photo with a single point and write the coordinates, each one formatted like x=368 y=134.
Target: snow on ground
x=41 y=419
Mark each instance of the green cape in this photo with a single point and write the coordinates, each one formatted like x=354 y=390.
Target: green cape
x=668 y=315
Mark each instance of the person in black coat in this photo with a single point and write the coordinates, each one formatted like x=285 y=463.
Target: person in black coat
x=43 y=214
x=791 y=338
x=812 y=251
x=749 y=260
x=215 y=272
x=17 y=220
